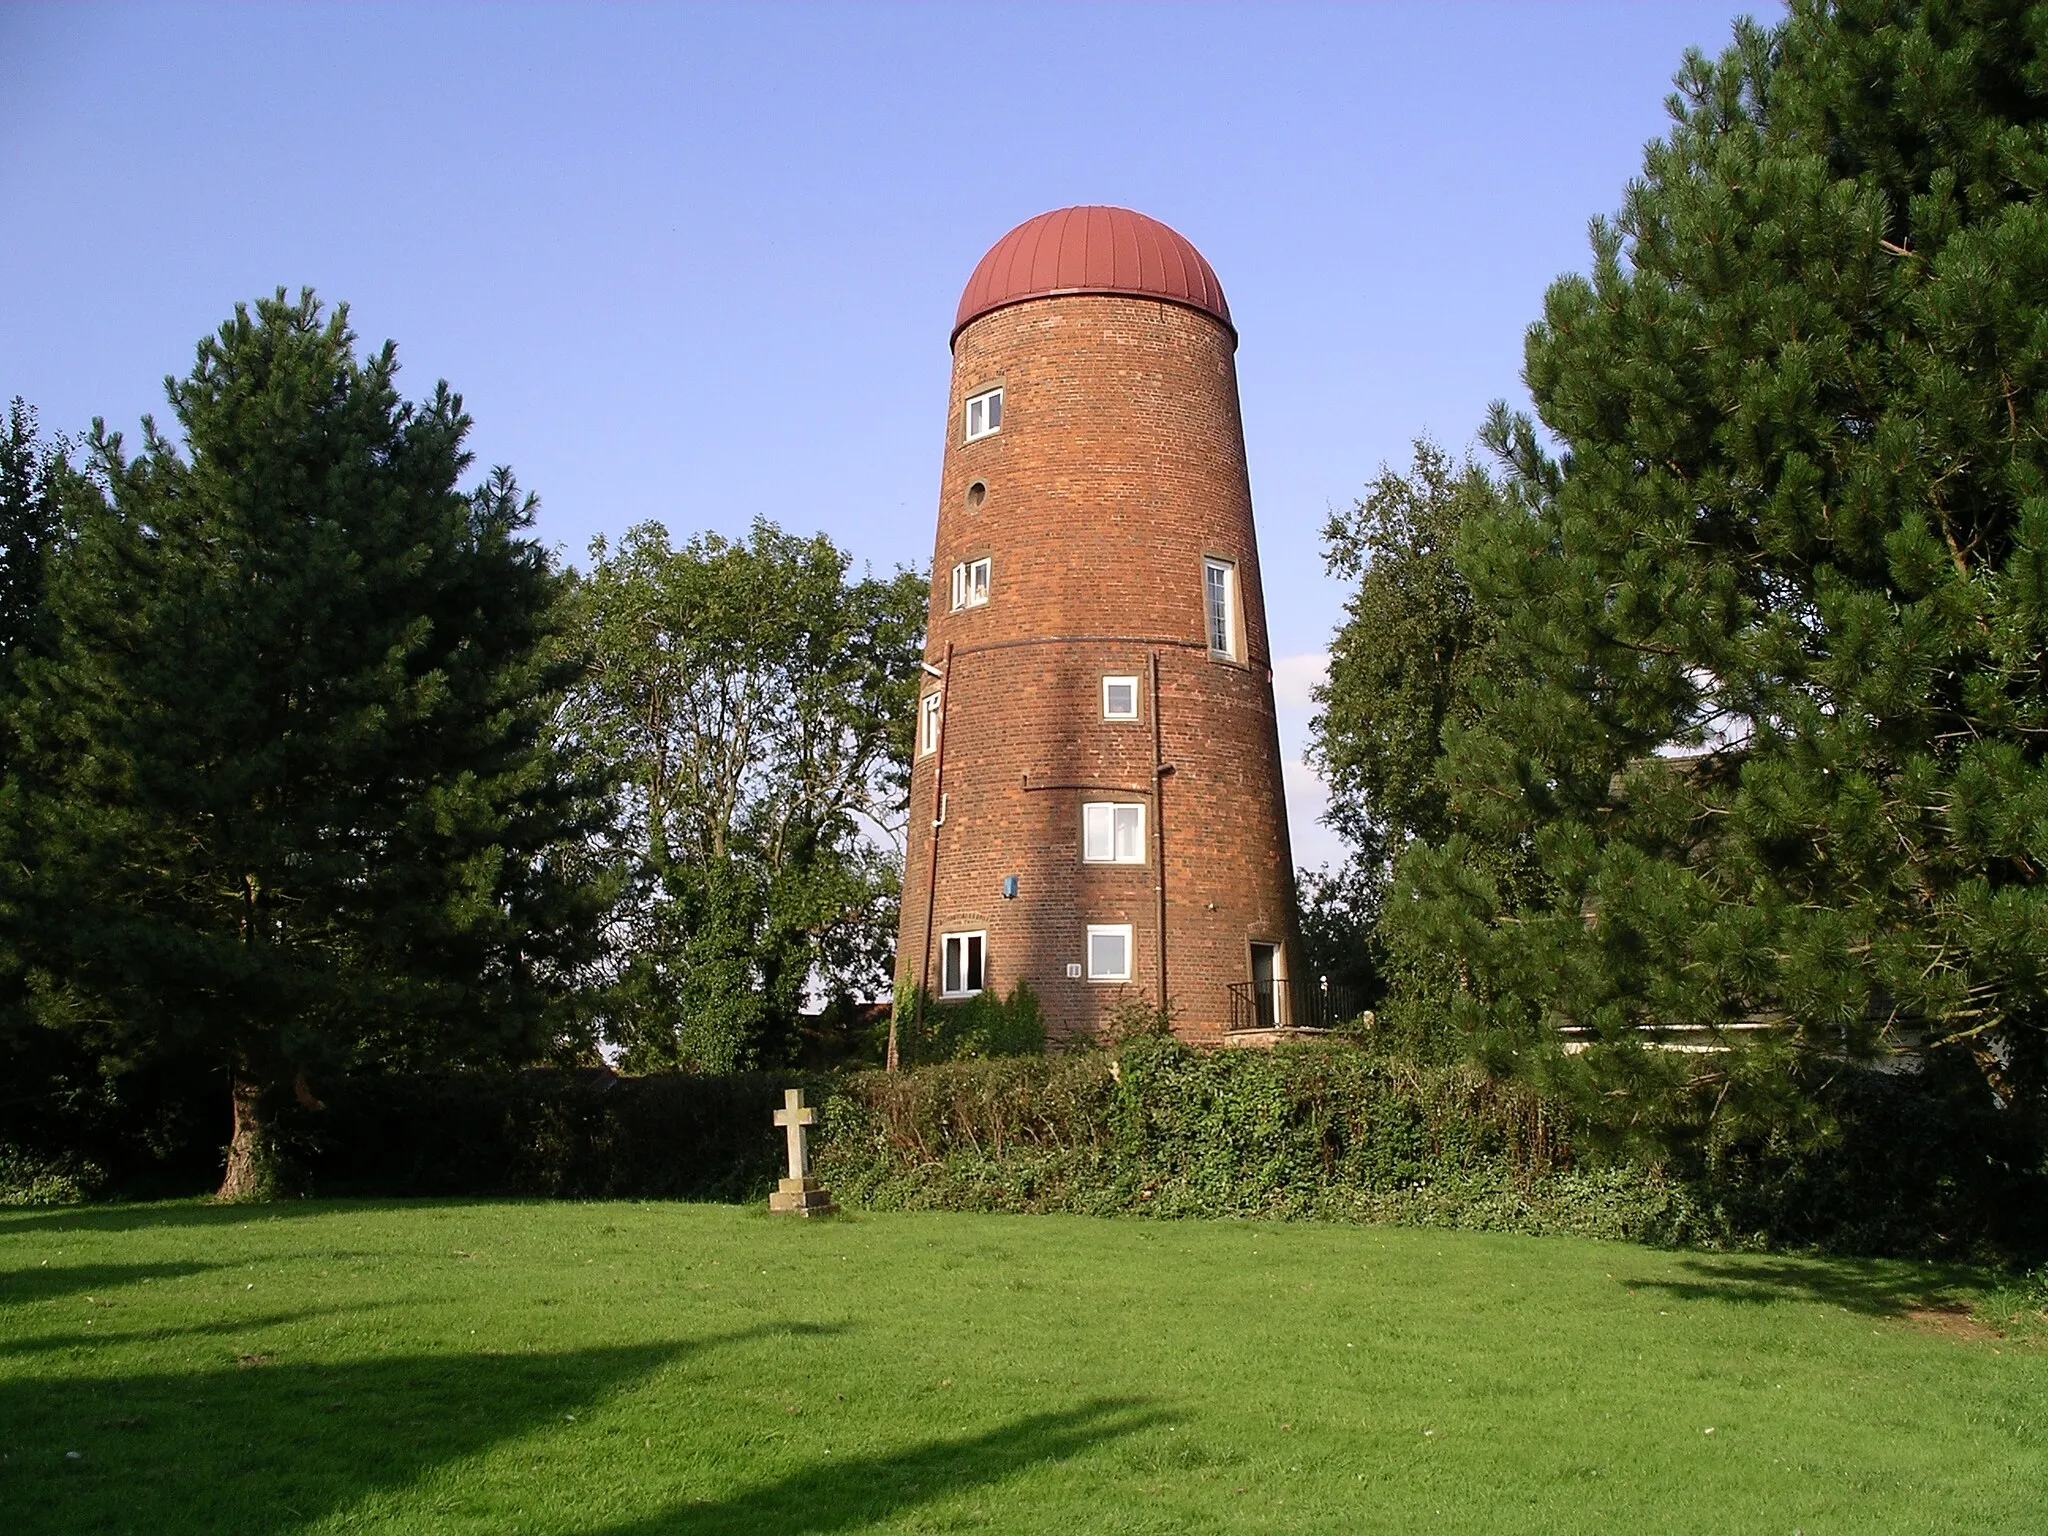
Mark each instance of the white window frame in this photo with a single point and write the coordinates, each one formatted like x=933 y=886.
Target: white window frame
x=965 y=943
x=1107 y=684
x=928 y=725
x=982 y=414
x=1211 y=568
x=1106 y=814
x=1119 y=930
x=971 y=579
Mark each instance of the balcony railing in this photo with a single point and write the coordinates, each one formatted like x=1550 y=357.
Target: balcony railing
x=1319 y=1004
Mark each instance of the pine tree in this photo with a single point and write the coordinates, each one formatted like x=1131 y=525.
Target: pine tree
x=40 y=497
x=298 y=797
x=37 y=483
x=1773 y=622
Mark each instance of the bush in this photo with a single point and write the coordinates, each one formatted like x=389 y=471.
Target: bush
x=35 y=1178
x=153 y=1130
x=1299 y=1131
x=1332 y=1131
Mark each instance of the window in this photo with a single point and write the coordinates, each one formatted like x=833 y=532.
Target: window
x=970 y=584
x=928 y=724
x=1112 y=834
x=984 y=414
x=1219 y=589
x=1109 y=951
x=1119 y=698
x=960 y=969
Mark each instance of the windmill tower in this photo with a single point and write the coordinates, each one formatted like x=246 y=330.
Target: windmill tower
x=1096 y=803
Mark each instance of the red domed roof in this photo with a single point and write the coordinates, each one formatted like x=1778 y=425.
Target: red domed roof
x=1091 y=250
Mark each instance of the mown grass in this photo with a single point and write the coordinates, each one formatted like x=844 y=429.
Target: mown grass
x=644 y=1368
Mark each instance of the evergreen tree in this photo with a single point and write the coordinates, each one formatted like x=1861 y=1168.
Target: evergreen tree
x=37 y=485
x=757 y=701
x=1772 y=698
x=294 y=783
x=40 y=497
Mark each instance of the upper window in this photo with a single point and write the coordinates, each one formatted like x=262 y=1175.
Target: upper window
x=928 y=724
x=961 y=964
x=1109 y=951
x=1219 y=593
x=970 y=584
x=984 y=414
x=1112 y=834
x=1119 y=698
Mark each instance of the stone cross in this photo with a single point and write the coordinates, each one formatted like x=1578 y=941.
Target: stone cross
x=796 y=1118
x=799 y=1194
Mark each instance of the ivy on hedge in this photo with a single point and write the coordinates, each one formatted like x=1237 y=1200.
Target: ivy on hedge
x=1337 y=1132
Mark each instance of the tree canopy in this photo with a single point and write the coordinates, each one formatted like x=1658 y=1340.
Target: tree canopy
x=1769 y=693
x=756 y=699
x=1403 y=665
x=288 y=771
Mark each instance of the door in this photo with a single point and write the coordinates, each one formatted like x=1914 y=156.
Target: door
x=1265 y=987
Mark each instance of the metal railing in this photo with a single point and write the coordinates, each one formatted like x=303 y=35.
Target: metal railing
x=1283 y=1004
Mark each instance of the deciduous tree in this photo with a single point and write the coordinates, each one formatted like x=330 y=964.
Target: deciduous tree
x=1403 y=665
x=757 y=701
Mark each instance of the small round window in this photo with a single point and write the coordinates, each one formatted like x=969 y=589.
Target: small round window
x=977 y=493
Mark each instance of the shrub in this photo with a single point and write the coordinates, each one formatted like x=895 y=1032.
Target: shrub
x=1332 y=1131
x=152 y=1130
x=36 y=1178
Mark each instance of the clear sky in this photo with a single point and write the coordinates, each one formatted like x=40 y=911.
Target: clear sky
x=698 y=265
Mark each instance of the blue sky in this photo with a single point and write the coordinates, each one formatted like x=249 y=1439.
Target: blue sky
x=697 y=265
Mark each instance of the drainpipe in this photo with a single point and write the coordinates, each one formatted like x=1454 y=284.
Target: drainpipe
x=931 y=883
x=1159 y=773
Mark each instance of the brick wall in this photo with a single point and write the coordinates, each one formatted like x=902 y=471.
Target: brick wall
x=1118 y=469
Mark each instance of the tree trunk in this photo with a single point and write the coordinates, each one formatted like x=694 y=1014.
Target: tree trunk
x=252 y=1165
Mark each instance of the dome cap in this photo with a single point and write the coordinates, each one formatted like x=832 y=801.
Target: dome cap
x=1092 y=250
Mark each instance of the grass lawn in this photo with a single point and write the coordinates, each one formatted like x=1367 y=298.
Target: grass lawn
x=633 y=1368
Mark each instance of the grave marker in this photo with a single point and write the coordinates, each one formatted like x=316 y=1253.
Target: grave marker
x=799 y=1193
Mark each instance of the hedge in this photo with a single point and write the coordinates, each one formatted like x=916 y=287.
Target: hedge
x=1328 y=1132
x=585 y=1135
x=1336 y=1132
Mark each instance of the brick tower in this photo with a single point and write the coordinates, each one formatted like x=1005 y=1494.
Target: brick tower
x=1096 y=804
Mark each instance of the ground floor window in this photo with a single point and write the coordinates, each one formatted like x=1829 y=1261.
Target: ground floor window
x=1109 y=951
x=961 y=963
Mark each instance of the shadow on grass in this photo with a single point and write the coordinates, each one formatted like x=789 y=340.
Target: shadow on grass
x=51 y=1220
x=49 y=1282
x=274 y=1446
x=846 y=1495
x=101 y=1338
x=1872 y=1287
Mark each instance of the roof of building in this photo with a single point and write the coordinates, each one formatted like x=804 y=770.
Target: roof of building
x=1091 y=250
